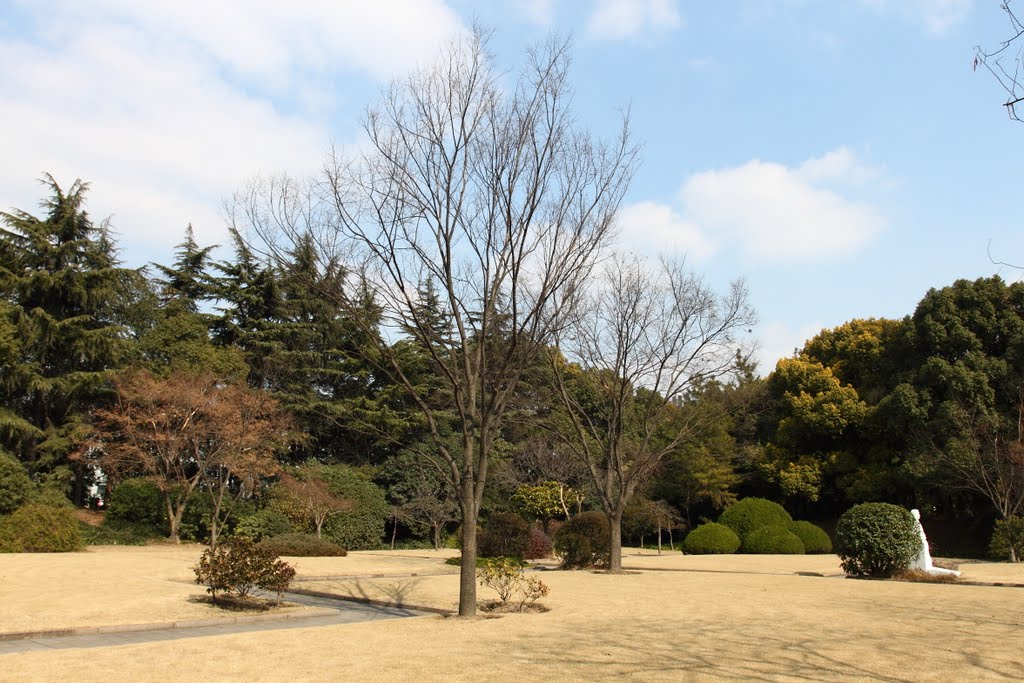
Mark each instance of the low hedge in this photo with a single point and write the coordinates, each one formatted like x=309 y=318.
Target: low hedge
x=774 y=539
x=711 y=539
x=302 y=545
x=753 y=513
x=35 y=528
x=814 y=538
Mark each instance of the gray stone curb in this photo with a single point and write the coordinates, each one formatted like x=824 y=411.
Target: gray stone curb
x=183 y=624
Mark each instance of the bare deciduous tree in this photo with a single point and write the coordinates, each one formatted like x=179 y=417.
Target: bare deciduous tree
x=489 y=190
x=645 y=338
x=314 y=497
x=1006 y=61
x=987 y=457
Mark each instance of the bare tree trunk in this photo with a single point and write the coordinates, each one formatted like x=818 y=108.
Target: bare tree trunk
x=173 y=518
x=467 y=571
x=437 y=536
x=615 y=542
x=394 y=531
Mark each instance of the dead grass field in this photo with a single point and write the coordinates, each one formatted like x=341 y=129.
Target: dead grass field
x=680 y=618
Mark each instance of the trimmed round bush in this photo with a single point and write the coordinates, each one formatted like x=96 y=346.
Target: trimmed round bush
x=752 y=513
x=876 y=539
x=263 y=524
x=583 y=540
x=505 y=534
x=302 y=545
x=538 y=546
x=138 y=501
x=711 y=539
x=35 y=528
x=15 y=486
x=362 y=527
x=814 y=538
x=774 y=539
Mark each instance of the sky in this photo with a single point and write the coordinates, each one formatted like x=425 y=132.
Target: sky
x=841 y=156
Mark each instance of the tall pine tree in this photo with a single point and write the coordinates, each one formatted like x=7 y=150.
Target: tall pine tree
x=63 y=291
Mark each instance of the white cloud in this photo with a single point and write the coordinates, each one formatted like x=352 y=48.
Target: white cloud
x=777 y=340
x=539 y=12
x=625 y=19
x=776 y=213
x=166 y=108
x=652 y=227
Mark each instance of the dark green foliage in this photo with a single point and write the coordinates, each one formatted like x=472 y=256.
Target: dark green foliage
x=138 y=501
x=774 y=539
x=15 y=485
x=1008 y=539
x=752 y=513
x=538 y=545
x=302 y=545
x=583 y=541
x=35 y=528
x=711 y=539
x=63 y=296
x=239 y=566
x=813 y=537
x=505 y=534
x=876 y=539
x=362 y=527
x=263 y=524
x=112 y=532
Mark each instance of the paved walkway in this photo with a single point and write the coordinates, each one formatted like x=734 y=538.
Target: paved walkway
x=345 y=612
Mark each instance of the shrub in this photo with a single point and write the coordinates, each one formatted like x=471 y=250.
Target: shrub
x=239 y=566
x=774 y=539
x=505 y=534
x=263 y=524
x=583 y=540
x=753 y=513
x=876 y=539
x=35 y=528
x=362 y=527
x=138 y=502
x=506 y=577
x=15 y=486
x=814 y=538
x=115 y=533
x=711 y=539
x=538 y=546
x=1008 y=534
x=302 y=545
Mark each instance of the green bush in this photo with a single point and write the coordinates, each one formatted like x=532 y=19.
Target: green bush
x=302 y=545
x=138 y=502
x=583 y=541
x=1007 y=534
x=814 y=538
x=15 y=486
x=362 y=527
x=505 y=534
x=749 y=514
x=263 y=524
x=115 y=533
x=774 y=539
x=876 y=539
x=35 y=528
x=711 y=539
x=239 y=566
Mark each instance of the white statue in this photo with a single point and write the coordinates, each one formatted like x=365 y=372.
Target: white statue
x=923 y=561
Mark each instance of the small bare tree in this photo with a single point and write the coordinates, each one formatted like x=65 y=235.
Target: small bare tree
x=645 y=338
x=186 y=430
x=313 y=496
x=987 y=456
x=489 y=191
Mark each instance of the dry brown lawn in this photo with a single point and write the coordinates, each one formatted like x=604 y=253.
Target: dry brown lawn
x=679 y=618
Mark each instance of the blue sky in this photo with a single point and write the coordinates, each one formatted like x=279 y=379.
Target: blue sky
x=840 y=155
